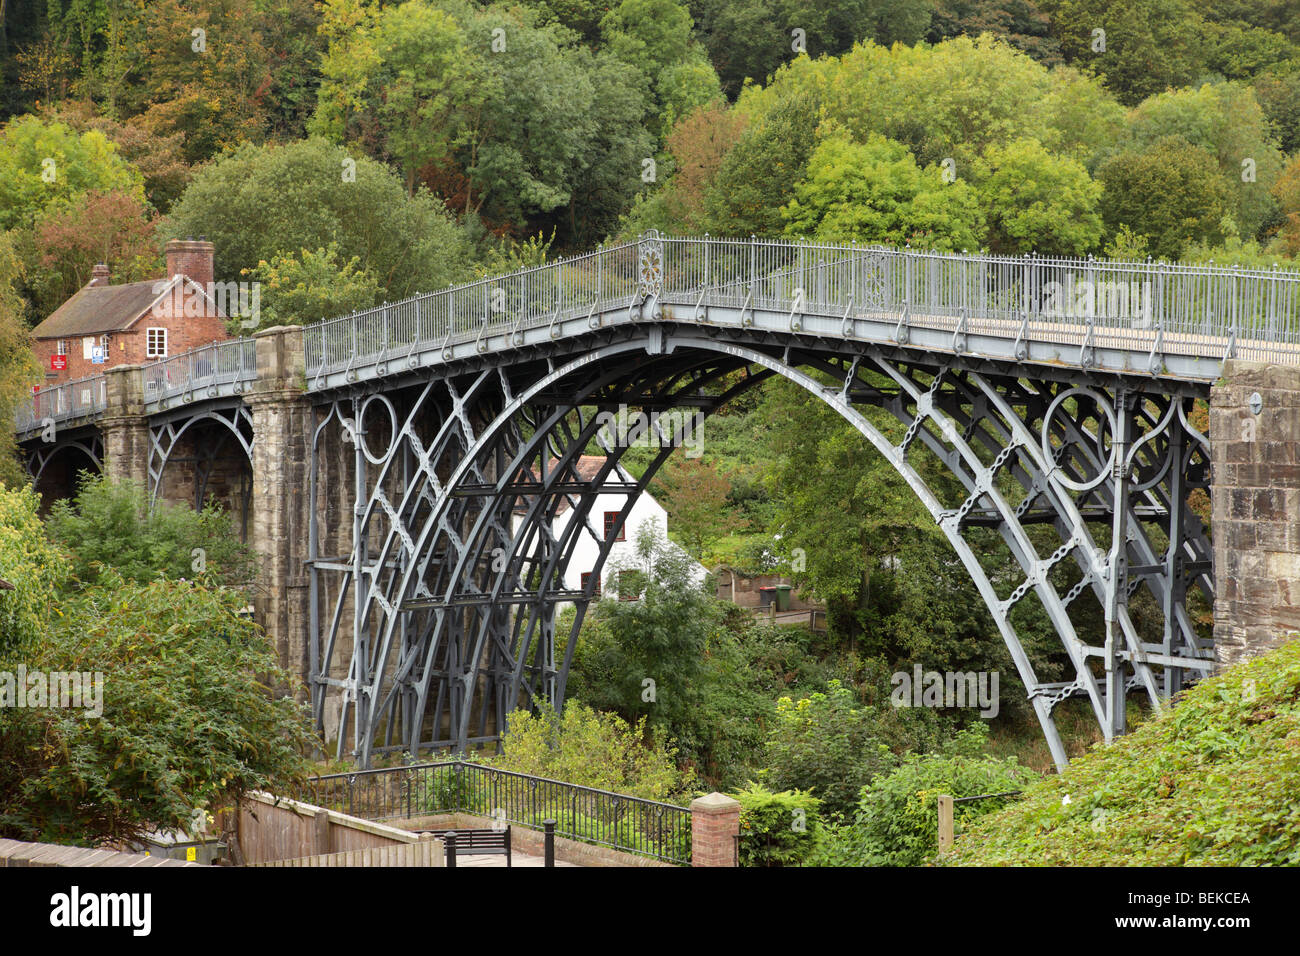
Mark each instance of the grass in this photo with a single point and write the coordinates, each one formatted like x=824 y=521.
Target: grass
x=1213 y=781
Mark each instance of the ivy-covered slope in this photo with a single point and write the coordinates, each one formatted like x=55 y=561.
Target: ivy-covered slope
x=1215 y=781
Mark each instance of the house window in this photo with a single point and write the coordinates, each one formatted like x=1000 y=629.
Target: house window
x=611 y=518
x=61 y=347
x=586 y=579
x=155 y=343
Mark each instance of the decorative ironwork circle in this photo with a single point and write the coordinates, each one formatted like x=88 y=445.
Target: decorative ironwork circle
x=360 y=429
x=1104 y=405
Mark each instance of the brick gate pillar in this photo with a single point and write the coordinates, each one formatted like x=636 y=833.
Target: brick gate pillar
x=124 y=427
x=1255 y=452
x=278 y=530
x=715 y=824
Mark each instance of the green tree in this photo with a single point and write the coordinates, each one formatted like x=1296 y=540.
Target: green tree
x=188 y=723
x=1171 y=192
x=260 y=201
x=110 y=529
x=18 y=367
x=1150 y=45
x=1226 y=120
x=695 y=496
x=643 y=657
x=757 y=176
x=43 y=165
x=897 y=818
x=1038 y=202
x=833 y=745
x=305 y=287
x=593 y=749
x=874 y=192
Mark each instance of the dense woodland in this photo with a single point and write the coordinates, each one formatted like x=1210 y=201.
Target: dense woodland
x=345 y=153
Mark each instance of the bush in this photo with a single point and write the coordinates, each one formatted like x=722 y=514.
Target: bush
x=593 y=749
x=188 y=718
x=777 y=829
x=897 y=821
x=110 y=525
x=833 y=745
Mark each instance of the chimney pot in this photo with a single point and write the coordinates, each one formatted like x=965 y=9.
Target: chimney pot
x=99 y=274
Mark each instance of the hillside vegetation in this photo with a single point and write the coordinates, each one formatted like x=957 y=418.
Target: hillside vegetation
x=1213 y=782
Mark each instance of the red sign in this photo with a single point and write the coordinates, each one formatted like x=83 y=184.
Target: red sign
x=58 y=363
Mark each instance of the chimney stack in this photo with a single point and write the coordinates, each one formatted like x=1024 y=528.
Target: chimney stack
x=99 y=274
x=191 y=258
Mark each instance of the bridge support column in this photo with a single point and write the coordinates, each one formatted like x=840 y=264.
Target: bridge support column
x=124 y=426
x=278 y=531
x=1255 y=451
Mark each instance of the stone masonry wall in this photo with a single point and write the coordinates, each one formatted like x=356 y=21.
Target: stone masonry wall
x=1256 y=501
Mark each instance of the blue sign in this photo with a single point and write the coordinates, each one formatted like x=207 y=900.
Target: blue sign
x=97 y=355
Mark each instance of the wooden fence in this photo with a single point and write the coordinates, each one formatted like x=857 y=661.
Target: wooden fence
x=274 y=829
x=427 y=852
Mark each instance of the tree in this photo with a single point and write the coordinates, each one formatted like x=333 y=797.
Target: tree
x=1171 y=192
x=592 y=749
x=424 y=65
x=260 y=201
x=832 y=745
x=1149 y=45
x=1020 y=22
x=186 y=723
x=1225 y=120
x=874 y=192
x=757 y=176
x=695 y=496
x=310 y=286
x=18 y=367
x=110 y=529
x=897 y=819
x=1037 y=202
x=109 y=227
x=158 y=156
x=643 y=657
x=47 y=164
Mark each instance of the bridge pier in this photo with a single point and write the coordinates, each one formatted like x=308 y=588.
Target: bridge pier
x=124 y=426
x=1255 y=450
x=282 y=421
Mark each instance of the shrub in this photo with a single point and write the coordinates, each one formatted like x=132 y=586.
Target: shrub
x=1214 y=781
x=593 y=749
x=897 y=820
x=777 y=829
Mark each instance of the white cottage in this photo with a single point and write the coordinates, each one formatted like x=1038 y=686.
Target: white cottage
x=602 y=518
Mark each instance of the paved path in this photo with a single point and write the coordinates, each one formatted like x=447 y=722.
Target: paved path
x=516 y=859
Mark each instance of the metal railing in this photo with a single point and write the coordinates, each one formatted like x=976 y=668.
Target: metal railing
x=1203 y=310
x=600 y=817
x=203 y=369
x=200 y=369
x=1199 y=310
x=586 y=284
x=60 y=403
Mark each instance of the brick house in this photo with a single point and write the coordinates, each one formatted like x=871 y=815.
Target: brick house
x=135 y=322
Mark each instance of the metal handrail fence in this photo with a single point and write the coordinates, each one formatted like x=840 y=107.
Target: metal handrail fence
x=60 y=403
x=1173 y=308
x=1198 y=309
x=586 y=814
x=201 y=369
